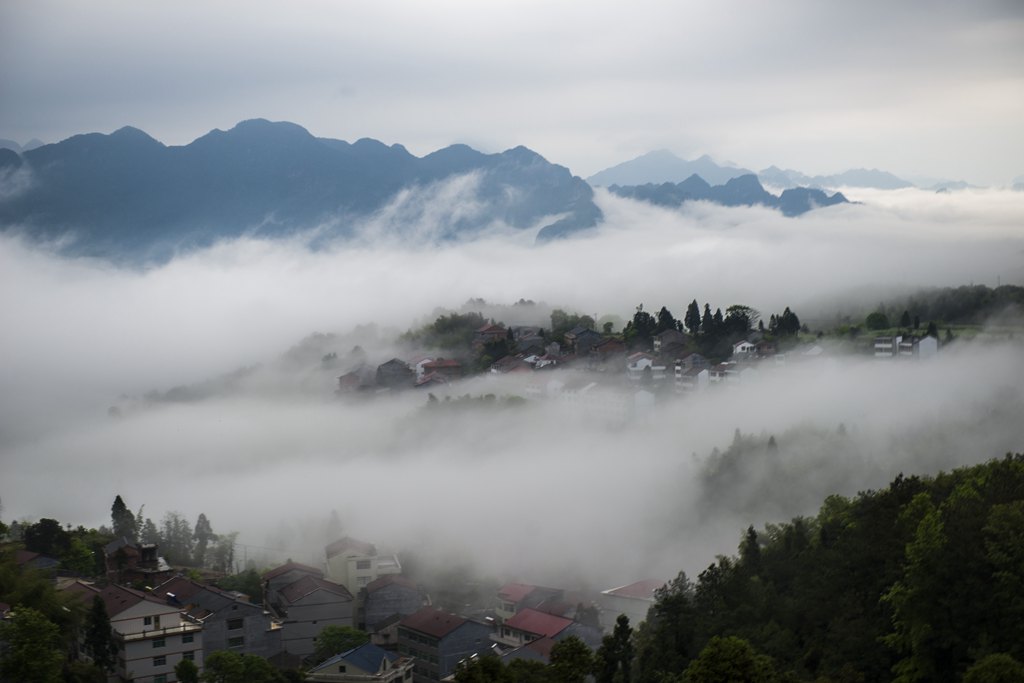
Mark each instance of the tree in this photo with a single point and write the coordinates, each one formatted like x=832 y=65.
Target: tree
x=202 y=535
x=614 y=659
x=334 y=640
x=996 y=668
x=932 y=331
x=33 y=648
x=79 y=559
x=692 y=318
x=877 y=321
x=666 y=321
x=571 y=660
x=48 y=537
x=486 y=669
x=725 y=660
x=186 y=671
x=176 y=538
x=123 y=520
x=905 y=320
x=99 y=642
x=707 y=323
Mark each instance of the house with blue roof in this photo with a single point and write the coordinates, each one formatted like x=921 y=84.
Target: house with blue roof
x=364 y=663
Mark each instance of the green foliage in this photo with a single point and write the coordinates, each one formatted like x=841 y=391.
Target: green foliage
x=47 y=537
x=639 y=332
x=186 y=671
x=225 y=666
x=98 y=641
x=571 y=661
x=877 y=320
x=123 y=519
x=247 y=582
x=334 y=640
x=995 y=668
x=486 y=669
x=79 y=558
x=692 y=318
x=613 y=661
x=917 y=581
x=33 y=648
x=448 y=332
x=729 y=660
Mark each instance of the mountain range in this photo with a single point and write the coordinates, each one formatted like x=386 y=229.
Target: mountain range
x=744 y=190
x=126 y=193
x=662 y=166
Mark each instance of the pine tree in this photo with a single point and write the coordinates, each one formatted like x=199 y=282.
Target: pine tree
x=99 y=643
x=123 y=520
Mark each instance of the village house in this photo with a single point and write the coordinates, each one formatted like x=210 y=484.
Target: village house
x=355 y=564
x=447 y=368
x=395 y=374
x=744 y=349
x=387 y=596
x=489 y=334
x=229 y=620
x=363 y=664
x=640 y=365
x=580 y=340
x=667 y=340
x=151 y=636
x=513 y=597
x=633 y=600
x=308 y=606
x=129 y=562
x=439 y=640
x=887 y=347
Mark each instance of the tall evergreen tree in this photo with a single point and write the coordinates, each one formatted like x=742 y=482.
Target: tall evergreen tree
x=99 y=641
x=692 y=318
x=123 y=520
x=202 y=535
x=613 y=661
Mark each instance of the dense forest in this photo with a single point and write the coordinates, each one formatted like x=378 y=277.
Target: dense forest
x=920 y=581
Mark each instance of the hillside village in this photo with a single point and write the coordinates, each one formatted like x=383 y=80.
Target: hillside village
x=653 y=358
x=156 y=604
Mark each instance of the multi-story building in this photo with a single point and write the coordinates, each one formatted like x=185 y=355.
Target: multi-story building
x=230 y=621
x=439 y=640
x=151 y=636
x=355 y=564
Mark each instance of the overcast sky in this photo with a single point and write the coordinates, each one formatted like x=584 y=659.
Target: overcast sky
x=916 y=88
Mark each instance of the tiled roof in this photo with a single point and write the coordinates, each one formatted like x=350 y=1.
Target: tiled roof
x=433 y=622
x=290 y=566
x=309 y=584
x=514 y=592
x=350 y=544
x=643 y=590
x=368 y=658
x=539 y=623
x=388 y=580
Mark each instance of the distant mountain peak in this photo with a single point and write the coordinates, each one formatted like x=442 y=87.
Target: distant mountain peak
x=661 y=166
x=744 y=190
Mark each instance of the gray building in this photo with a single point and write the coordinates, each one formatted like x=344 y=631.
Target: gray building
x=389 y=595
x=229 y=620
x=439 y=640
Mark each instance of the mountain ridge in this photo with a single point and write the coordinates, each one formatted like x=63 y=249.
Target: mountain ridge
x=128 y=193
x=745 y=190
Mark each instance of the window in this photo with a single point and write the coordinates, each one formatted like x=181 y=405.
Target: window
x=235 y=624
x=237 y=641
x=341 y=668
x=362 y=564
x=190 y=655
x=159 y=661
x=160 y=642
x=187 y=638
x=161 y=678
x=147 y=621
x=362 y=580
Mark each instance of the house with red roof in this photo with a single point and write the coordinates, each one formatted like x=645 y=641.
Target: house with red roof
x=439 y=640
x=513 y=597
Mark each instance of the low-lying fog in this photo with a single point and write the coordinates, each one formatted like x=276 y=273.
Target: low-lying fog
x=541 y=491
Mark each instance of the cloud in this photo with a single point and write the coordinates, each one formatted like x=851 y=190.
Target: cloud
x=535 y=491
